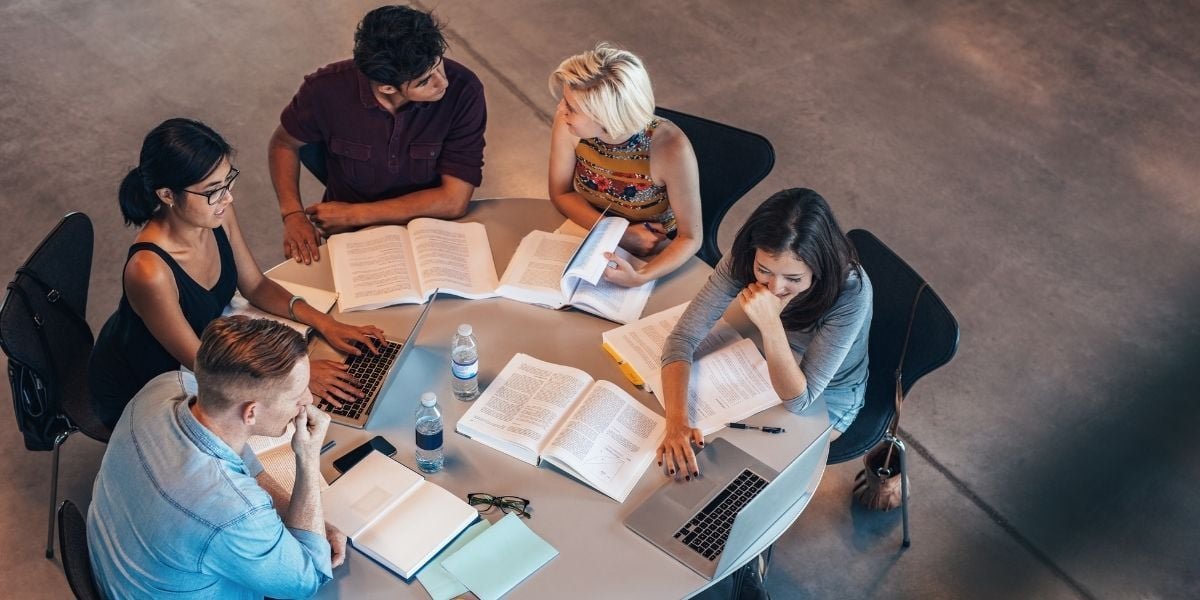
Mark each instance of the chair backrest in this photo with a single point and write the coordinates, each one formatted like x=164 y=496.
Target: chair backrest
x=73 y=546
x=933 y=341
x=44 y=331
x=731 y=162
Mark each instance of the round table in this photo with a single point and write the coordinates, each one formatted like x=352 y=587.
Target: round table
x=598 y=555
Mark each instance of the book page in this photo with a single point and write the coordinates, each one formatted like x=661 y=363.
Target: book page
x=640 y=344
x=534 y=274
x=365 y=492
x=523 y=405
x=588 y=263
x=729 y=385
x=611 y=301
x=455 y=257
x=407 y=536
x=373 y=268
x=278 y=459
x=608 y=440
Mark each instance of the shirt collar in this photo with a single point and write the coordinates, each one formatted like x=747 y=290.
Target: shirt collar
x=205 y=440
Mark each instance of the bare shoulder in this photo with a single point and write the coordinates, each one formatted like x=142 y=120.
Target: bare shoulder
x=670 y=141
x=147 y=274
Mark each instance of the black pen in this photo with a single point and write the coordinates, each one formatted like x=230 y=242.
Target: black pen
x=328 y=445
x=764 y=428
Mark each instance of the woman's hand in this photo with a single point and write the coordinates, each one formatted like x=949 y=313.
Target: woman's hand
x=342 y=336
x=620 y=272
x=300 y=239
x=675 y=452
x=761 y=306
x=641 y=239
x=329 y=381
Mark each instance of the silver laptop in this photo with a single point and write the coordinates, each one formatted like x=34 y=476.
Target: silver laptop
x=709 y=522
x=373 y=372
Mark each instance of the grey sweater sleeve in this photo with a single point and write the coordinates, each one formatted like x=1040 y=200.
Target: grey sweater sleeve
x=701 y=314
x=831 y=342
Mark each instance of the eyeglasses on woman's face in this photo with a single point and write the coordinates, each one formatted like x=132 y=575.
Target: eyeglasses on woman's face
x=220 y=194
x=509 y=504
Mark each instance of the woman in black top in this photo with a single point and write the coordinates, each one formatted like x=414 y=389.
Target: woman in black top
x=187 y=260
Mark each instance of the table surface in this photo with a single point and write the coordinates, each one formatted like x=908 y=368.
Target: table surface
x=598 y=555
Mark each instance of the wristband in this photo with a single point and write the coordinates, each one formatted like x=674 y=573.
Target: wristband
x=292 y=307
x=285 y=215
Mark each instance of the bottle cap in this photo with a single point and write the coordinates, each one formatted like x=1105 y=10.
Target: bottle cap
x=464 y=329
x=428 y=399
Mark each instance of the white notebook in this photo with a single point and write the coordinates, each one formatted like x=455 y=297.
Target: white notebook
x=393 y=515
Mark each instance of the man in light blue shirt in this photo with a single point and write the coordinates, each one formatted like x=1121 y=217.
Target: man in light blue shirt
x=181 y=507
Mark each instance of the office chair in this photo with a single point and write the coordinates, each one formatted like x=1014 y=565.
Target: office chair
x=731 y=162
x=931 y=344
x=48 y=342
x=72 y=541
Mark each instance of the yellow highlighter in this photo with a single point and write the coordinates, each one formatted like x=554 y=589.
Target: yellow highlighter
x=625 y=367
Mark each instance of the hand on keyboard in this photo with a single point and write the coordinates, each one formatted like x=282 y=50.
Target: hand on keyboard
x=332 y=382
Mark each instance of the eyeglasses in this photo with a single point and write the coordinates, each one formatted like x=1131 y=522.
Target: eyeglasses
x=221 y=193
x=509 y=504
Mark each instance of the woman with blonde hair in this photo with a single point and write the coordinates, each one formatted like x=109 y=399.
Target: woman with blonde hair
x=609 y=150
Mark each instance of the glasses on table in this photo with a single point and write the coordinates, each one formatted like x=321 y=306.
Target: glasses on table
x=509 y=504
x=221 y=193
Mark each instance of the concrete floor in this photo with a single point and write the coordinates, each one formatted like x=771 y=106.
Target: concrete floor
x=1035 y=160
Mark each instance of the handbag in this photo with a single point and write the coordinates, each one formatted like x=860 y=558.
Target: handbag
x=878 y=485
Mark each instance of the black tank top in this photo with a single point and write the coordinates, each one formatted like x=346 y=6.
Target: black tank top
x=127 y=355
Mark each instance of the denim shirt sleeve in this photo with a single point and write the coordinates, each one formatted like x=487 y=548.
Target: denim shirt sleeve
x=701 y=314
x=260 y=553
x=831 y=342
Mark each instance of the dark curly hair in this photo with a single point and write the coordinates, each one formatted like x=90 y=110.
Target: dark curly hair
x=397 y=44
x=798 y=221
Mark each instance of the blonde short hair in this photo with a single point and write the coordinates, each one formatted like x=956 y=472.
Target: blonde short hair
x=612 y=87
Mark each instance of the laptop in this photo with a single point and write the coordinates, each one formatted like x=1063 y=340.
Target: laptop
x=709 y=522
x=372 y=372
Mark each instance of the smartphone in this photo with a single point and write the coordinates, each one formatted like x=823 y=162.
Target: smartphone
x=351 y=458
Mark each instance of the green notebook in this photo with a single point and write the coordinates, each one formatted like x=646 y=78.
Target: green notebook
x=499 y=558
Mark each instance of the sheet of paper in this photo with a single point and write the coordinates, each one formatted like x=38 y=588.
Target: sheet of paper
x=534 y=274
x=455 y=257
x=372 y=268
x=640 y=343
x=589 y=263
x=438 y=582
x=500 y=558
x=729 y=385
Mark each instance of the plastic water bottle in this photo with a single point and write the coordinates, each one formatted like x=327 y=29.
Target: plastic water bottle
x=464 y=364
x=429 y=435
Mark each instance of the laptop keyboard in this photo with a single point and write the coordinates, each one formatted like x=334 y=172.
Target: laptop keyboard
x=370 y=371
x=707 y=532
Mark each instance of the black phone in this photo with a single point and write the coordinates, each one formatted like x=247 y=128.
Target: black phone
x=351 y=458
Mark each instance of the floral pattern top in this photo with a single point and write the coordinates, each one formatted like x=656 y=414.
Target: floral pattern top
x=617 y=177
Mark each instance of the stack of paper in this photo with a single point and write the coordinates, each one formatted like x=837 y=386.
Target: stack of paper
x=487 y=561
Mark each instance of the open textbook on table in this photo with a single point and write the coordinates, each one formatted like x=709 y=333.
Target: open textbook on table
x=729 y=380
x=538 y=411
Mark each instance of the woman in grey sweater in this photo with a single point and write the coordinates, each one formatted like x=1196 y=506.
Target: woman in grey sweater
x=797 y=278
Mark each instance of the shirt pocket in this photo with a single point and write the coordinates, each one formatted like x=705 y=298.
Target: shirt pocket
x=423 y=157
x=354 y=159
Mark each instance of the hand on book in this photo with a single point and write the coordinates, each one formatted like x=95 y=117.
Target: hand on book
x=334 y=217
x=675 y=452
x=622 y=273
x=337 y=545
x=329 y=381
x=300 y=239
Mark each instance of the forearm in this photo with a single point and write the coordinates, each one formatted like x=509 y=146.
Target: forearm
x=304 y=509
x=675 y=378
x=280 y=497
x=283 y=161
x=437 y=203
x=786 y=376
x=574 y=207
x=671 y=258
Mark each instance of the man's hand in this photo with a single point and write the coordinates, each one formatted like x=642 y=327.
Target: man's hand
x=337 y=544
x=311 y=424
x=641 y=239
x=300 y=239
x=334 y=217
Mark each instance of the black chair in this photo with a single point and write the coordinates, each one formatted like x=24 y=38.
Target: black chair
x=72 y=541
x=48 y=342
x=731 y=162
x=932 y=343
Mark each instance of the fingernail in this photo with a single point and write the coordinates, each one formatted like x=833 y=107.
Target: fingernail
x=687 y=477
x=672 y=471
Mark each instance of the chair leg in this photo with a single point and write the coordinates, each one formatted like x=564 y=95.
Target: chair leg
x=58 y=442
x=903 y=489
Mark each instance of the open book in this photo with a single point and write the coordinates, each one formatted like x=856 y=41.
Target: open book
x=321 y=300
x=394 y=264
x=391 y=514
x=729 y=380
x=592 y=430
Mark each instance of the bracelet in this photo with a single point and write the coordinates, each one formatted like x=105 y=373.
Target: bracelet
x=292 y=307
x=285 y=215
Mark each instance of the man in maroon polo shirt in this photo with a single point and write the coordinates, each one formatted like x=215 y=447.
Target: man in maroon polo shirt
x=400 y=126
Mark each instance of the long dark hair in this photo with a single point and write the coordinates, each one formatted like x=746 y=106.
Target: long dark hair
x=798 y=221
x=176 y=154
